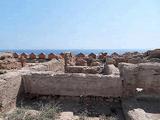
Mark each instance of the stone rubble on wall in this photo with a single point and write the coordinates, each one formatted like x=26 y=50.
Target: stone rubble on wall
x=81 y=62
x=154 y=53
x=84 y=69
x=111 y=69
x=8 y=62
x=53 y=65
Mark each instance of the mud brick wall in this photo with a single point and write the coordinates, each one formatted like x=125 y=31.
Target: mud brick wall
x=10 y=88
x=72 y=84
x=143 y=75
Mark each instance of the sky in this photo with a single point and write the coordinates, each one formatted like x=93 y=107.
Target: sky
x=79 y=24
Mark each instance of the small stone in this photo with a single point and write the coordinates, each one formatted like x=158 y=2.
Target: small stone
x=31 y=114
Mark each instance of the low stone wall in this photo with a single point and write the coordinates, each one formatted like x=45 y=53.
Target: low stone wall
x=132 y=76
x=53 y=65
x=144 y=75
x=10 y=88
x=72 y=84
x=84 y=69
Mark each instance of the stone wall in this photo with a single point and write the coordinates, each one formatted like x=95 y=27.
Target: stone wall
x=84 y=69
x=53 y=65
x=76 y=84
x=145 y=76
x=10 y=88
x=8 y=62
x=132 y=76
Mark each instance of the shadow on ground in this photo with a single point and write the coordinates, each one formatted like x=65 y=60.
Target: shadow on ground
x=89 y=106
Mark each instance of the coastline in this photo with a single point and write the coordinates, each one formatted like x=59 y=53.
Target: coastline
x=73 y=51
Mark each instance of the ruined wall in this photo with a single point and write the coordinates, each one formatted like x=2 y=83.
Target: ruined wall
x=76 y=84
x=84 y=69
x=10 y=88
x=53 y=65
x=132 y=76
x=111 y=69
x=143 y=75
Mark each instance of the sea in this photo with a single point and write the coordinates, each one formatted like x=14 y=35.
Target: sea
x=73 y=51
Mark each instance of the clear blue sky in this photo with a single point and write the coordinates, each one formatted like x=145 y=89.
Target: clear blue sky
x=77 y=24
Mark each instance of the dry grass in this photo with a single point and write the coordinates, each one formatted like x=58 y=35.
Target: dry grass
x=103 y=117
x=46 y=112
x=50 y=110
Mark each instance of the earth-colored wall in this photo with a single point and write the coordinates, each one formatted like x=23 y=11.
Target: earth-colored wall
x=10 y=84
x=53 y=65
x=84 y=69
x=143 y=75
x=76 y=84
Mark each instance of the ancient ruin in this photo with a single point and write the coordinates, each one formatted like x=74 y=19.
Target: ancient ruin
x=127 y=85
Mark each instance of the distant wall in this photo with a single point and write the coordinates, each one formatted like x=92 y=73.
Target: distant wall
x=53 y=65
x=84 y=69
x=75 y=84
x=143 y=75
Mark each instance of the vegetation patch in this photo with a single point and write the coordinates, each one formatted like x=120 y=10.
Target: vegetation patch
x=46 y=112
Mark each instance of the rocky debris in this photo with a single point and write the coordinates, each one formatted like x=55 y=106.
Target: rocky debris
x=141 y=108
x=69 y=59
x=129 y=55
x=110 y=60
x=89 y=61
x=153 y=60
x=119 y=60
x=81 y=62
x=136 y=54
x=135 y=60
x=132 y=111
x=153 y=53
x=111 y=69
x=95 y=63
x=93 y=70
x=54 y=65
x=84 y=69
x=7 y=61
x=31 y=114
x=68 y=116
x=3 y=72
x=6 y=55
x=147 y=53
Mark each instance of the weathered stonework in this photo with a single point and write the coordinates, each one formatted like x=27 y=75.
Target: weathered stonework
x=143 y=75
x=72 y=84
x=10 y=88
x=51 y=82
